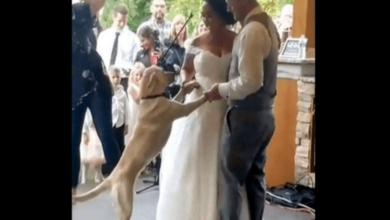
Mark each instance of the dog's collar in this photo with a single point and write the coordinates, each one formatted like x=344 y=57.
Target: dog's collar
x=153 y=96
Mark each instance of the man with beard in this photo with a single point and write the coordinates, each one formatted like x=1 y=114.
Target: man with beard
x=158 y=21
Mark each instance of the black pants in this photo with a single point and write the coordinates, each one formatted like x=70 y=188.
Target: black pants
x=99 y=103
x=243 y=160
x=120 y=137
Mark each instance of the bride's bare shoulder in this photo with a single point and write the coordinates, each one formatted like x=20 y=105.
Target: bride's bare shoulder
x=198 y=40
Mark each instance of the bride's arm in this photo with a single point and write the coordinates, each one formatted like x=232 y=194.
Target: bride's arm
x=188 y=71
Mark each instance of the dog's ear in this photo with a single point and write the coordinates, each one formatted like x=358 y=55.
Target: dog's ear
x=148 y=82
x=152 y=81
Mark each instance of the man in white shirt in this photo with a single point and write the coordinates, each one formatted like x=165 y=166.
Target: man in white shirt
x=249 y=123
x=118 y=45
x=158 y=21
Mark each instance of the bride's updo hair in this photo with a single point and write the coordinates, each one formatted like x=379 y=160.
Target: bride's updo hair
x=220 y=7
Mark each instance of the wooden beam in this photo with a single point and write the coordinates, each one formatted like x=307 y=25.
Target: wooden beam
x=304 y=20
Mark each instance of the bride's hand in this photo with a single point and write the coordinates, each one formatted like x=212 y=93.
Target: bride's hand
x=189 y=86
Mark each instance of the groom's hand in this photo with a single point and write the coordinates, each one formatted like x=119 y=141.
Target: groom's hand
x=213 y=94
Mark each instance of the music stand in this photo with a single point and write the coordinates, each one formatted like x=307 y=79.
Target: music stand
x=156 y=180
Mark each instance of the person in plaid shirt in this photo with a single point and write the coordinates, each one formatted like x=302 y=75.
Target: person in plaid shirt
x=158 y=21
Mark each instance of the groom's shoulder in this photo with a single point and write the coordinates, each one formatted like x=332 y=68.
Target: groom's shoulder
x=253 y=28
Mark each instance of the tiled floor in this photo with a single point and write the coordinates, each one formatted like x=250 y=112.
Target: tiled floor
x=145 y=204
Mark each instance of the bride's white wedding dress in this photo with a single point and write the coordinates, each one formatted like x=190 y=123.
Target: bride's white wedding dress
x=189 y=169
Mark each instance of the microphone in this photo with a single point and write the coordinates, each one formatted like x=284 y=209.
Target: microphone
x=166 y=52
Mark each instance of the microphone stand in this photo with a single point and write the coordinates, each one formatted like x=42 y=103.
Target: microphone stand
x=177 y=35
x=157 y=177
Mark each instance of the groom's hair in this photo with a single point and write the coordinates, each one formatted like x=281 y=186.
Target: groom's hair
x=220 y=8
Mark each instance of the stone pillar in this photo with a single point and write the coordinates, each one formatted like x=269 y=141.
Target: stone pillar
x=303 y=131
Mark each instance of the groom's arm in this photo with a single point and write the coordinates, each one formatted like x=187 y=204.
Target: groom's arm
x=254 y=46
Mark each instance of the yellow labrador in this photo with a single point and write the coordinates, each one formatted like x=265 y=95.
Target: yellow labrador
x=150 y=135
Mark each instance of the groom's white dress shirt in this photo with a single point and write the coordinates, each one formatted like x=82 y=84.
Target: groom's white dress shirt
x=128 y=46
x=252 y=45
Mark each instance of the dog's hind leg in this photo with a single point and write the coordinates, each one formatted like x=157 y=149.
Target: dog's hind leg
x=115 y=203
x=125 y=199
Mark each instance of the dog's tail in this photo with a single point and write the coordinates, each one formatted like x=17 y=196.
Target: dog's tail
x=94 y=192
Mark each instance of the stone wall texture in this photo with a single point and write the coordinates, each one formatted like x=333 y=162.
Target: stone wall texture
x=306 y=92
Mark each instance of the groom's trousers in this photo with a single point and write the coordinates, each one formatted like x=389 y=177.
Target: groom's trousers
x=247 y=134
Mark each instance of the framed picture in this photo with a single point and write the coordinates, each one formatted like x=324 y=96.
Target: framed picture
x=292 y=49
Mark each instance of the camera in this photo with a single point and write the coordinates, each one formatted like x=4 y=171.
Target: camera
x=157 y=45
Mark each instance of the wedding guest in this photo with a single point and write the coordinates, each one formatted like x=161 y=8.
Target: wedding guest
x=286 y=13
x=149 y=39
x=117 y=45
x=120 y=108
x=174 y=58
x=157 y=21
x=200 y=28
x=91 y=150
x=285 y=31
x=133 y=94
x=91 y=89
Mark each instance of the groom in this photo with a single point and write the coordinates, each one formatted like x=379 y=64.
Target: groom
x=250 y=123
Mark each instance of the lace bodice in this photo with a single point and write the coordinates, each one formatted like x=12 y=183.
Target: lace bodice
x=209 y=68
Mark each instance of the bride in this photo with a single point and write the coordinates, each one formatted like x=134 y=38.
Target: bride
x=189 y=169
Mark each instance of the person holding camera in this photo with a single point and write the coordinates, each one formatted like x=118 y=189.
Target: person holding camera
x=151 y=47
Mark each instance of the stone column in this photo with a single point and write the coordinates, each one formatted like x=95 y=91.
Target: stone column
x=303 y=132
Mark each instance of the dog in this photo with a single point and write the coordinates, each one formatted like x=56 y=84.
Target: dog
x=149 y=136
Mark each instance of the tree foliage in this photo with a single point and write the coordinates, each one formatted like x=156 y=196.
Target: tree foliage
x=273 y=7
x=185 y=8
x=139 y=10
